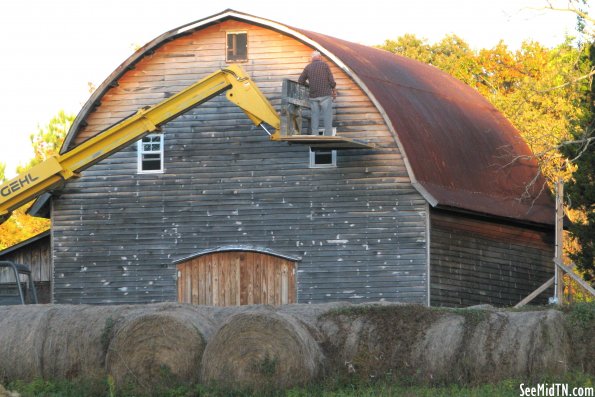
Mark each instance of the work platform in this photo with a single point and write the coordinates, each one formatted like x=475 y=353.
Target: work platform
x=325 y=142
x=295 y=120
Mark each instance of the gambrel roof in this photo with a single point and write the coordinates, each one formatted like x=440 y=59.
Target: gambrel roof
x=461 y=153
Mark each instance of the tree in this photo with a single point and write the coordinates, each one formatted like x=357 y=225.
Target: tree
x=546 y=110
x=409 y=45
x=580 y=193
x=580 y=189
x=20 y=227
x=46 y=142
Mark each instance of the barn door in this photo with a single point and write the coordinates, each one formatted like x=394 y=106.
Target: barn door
x=234 y=278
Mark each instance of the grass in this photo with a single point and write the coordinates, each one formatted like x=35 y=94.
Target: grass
x=101 y=388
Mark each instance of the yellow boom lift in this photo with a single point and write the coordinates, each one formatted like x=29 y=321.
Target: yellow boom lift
x=241 y=90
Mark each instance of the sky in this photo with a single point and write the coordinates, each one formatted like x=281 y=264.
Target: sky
x=51 y=50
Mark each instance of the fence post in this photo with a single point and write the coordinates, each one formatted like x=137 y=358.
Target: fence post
x=559 y=225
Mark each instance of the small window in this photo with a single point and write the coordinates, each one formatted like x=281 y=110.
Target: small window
x=237 y=46
x=323 y=158
x=150 y=154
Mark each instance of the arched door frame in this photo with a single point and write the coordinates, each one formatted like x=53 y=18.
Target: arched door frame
x=237 y=275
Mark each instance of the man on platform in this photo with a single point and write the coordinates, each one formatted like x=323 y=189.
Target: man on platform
x=322 y=85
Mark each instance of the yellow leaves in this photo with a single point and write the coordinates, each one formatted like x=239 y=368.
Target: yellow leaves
x=20 y=227
x=46 y=142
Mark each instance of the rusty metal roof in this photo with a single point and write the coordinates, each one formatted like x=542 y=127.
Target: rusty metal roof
x=461 y=152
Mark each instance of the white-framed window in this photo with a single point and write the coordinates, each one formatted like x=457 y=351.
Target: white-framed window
x=150 y=154
x=323 y=158
x=236 y=47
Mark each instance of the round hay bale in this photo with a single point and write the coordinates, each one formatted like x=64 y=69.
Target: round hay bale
x=435 y=353
x=158 y=347
x=75 y=338
x=55 y=341
x=488 y=346
x=260 y=348
x=374 y=341
x=20 y=339
x=509 y=344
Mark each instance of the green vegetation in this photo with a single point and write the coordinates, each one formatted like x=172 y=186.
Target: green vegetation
x=62 y=388
x=581 y=322
x=582 y=314
x=580 y=189
x=40 y=388
x=107 y=333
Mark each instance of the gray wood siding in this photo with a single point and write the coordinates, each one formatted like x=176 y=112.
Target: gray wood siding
x=359 y=228
x=477 y=261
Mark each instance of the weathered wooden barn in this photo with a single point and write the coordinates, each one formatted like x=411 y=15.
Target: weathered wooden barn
x=213 y=212
x=36 y=254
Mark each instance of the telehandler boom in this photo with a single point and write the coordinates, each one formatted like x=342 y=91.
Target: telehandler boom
x=52 y=173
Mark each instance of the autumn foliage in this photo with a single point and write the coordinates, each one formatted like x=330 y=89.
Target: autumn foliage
x=46 y=142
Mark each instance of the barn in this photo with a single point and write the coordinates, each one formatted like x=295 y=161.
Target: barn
x=35 y=253
x=439 y=211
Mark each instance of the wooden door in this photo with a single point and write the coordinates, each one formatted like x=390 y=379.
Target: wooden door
x=234 y=278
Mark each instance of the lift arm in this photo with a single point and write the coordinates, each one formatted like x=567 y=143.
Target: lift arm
x=51 y=173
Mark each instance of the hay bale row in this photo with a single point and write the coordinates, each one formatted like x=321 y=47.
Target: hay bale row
x=131 y=342
x=279 y=347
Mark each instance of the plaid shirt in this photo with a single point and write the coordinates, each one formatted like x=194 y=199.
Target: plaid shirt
x=319 y=77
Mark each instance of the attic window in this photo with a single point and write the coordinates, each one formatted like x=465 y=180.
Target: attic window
x=323 y=158
x=150 y=154
x=237 y=47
